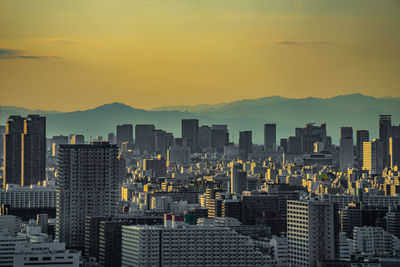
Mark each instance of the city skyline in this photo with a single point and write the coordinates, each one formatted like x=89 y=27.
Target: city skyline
x=152 y=53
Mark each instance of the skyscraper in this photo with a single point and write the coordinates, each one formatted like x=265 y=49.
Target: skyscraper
x=346 y=156
x=145 y=140
x=124 y=134
x=56 y=142
x=33 y=150
x=111 y=138
x=88 y=185
x=77 y=139
x=394 y=147
x=385 y=123
x=205 y=137
x=25 y=150
x=310 y=232
x=373 y=156
x=219 y=137
x=238 y=179
x=245 y=144
x=13 y=150
x=362 y=136
x=190 y=133
x=269 y=136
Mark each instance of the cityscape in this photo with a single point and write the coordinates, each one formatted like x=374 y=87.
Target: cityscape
x=142 y=197
x=199 y=133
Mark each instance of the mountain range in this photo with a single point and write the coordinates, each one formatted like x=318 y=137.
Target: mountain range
x=356 y=110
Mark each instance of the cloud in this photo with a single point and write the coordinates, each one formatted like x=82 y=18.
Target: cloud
x=6 y=53
x=282 y=42
x=53 y=41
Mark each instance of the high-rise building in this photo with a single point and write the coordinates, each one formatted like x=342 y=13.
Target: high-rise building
x=33 y=150
x=294 y=145
x=25 y=150
x=144 y=137
x=245 y=144
x=124 y=134
x=162 y=141
x=346 y=157
x=190 y=133
x=394 y=152
x=13 y=150
x=56 y=142
x=219 y=137
x=311 y=134
x=373 y=156
x=238 y=179
x=2 y=132
x=88 y=185
x=310 y=232
x=269 y=136
x=362 y=136
x=385 y=123
x=111 y=138
x=77 y=139
x=205 y=137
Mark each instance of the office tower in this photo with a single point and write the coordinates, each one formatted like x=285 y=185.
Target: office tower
x=158 y=166
x=56 y=142
x=362 y=136
x=269 y=136
x=33 y=150
x=144 y=136
x=309 y=135
x=124 y=134
x=232 y=208
x=294 y=145
x=180 y=244
x=373 y=156
x=350 y=217
x=2 y=132
x=394 y=152
x=190 y=133
x=219 y=137
x=77 y=139
x=13 y=150
x=310 y=232
x=91 y=239
x=205 y=137
x=87 y=186
x=385 y=123
x=346 y=157
x=238 y=179
x=42 y=220
x=284 y=145
x=111 y=138
x=162 y=141
x=178 y=155
x=245 y=144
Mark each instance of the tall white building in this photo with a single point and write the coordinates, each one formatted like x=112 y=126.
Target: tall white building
x=87 y=186
x=279 y=251
x=178 y=244
x=373 y=240
x=310 y=232
x=33 y=196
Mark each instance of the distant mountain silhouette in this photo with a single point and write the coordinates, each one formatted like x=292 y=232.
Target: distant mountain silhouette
x=355 y=110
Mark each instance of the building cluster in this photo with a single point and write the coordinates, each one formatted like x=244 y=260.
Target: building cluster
x=142 y=197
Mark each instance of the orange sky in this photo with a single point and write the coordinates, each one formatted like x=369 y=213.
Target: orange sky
x=69 y=55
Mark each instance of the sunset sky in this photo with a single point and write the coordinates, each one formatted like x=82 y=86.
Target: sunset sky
x=78 y=54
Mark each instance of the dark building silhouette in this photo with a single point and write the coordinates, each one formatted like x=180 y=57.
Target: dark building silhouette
x=294 y=145
x=162 y=141
x=205 y=137
x=144 y=137
x=346 y=156
x=219 y=137
x=190 y=133
x=158 y=166
x=25 y=150
x=269 y=136
x=311 y=134
x=111 y=138
x=385 y=123
x=77 y=139
x=56 y=142
x=124 y=134
x=284 y=144
x=245 y=144
x=13 y=150
x=362 y=136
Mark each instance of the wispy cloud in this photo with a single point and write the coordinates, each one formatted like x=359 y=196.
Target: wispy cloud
x=53 y=41
x=6 y=53
x=283 y=42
